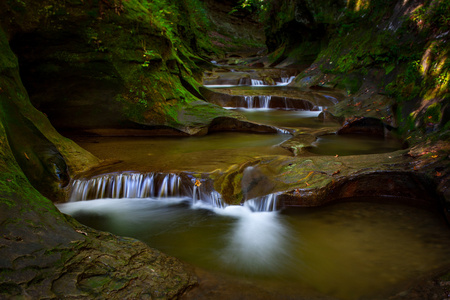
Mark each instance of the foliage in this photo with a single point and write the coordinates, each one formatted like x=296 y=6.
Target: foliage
x=150 y=55
x=180 y=21
x=433 y=14
x=251 y=6
x=433 y=113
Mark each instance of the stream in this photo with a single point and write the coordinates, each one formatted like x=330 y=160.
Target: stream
x=351 y=250
x=348 y=251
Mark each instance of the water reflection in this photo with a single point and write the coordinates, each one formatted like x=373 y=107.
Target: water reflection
x=203 y=153
x=353 y=145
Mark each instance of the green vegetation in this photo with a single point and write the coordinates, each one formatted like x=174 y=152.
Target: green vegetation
x=252 y=6
x=361 y=39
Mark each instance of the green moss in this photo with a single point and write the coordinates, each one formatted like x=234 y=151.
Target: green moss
x=433 y=113
x=95 y=282
x=350 y=82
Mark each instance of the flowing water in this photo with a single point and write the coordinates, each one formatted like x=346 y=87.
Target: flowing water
x=286 y=118
x=347 y=250
x=352 y=250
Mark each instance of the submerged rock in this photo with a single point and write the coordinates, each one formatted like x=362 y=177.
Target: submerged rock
x=126 y=69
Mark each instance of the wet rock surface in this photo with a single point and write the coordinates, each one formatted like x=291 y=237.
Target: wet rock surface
x=82 y=263
x=45 y=254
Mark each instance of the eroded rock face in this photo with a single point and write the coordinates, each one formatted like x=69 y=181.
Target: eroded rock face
x=44 y=156
x=44 y=254
x=38 y=158
x=367 y=126
x=317 y=180
x=60 y=259
x=109 y=65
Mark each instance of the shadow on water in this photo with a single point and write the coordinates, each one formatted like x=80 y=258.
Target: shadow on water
x=334 y=144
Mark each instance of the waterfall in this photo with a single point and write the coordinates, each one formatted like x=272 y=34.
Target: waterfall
x=257 y=82
x=264 y=101
x=249 y=100
x=286 y=80
x=127 y=185
x=264 y=203
x=160 y=186
x=245 y=81
x=146 y=185
x=286 y=103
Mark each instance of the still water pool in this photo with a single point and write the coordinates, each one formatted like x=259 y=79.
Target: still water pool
x=334 y=144
x=197 y=153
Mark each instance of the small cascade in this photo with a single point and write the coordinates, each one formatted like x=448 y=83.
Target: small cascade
x=169 y=187
x=331 y=98
x=127 y=185
x=264 y=101
x=286 y=80
x=146 y=185
x=257 y=82
x=160 y=186
x=211 y=199
x=288 y=104
x=245 y=81
x=264 y=203
x=249 y=100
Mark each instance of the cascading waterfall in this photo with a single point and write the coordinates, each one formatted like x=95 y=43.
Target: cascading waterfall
x=127 y=185
x=286 y=103
x=264 y=203
x=286 y=80
x=203 y=198
x=245 y=81
x=158 y=185
x=249 y=100
x=257 y=82
x=263 y=101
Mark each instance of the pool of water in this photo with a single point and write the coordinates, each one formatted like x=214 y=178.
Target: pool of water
x=348 y=250
x=334 y=144
x=204 y=153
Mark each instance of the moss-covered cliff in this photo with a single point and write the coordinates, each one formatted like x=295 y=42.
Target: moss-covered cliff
x=113 y=64
x=85 y=74
x=43 y=253
x=390 y=57
x=378 y=51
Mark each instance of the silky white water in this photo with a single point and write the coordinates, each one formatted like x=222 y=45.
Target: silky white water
x=348 y=250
